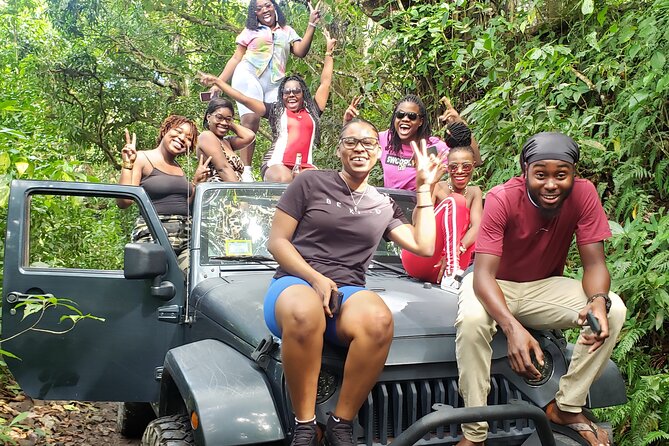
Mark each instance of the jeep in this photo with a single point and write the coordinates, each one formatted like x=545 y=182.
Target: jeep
x=192 y=352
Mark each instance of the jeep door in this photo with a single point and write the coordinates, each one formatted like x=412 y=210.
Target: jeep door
x=64 y=251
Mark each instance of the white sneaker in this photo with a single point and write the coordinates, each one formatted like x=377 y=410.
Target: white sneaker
x=247 y=176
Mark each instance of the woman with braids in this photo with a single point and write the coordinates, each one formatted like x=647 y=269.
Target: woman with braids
x=294 y=119
x=408 y=124
x=214 y=142
x=325 y=230
x=458 y=208
x=259 y=63
x=164 y=181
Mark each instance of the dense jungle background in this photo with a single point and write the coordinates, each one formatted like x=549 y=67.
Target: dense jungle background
x=75 y=73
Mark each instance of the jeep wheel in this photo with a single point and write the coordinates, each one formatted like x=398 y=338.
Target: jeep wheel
x=174 y=430
x=133 y=417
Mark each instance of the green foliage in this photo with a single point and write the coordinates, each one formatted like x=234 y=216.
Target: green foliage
x=598 y=73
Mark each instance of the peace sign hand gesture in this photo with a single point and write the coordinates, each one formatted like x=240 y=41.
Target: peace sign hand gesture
x=202 y=172
x=314 y=13
x=352 y=110
x=330 y=42
x=129 y=150
x=427 y=165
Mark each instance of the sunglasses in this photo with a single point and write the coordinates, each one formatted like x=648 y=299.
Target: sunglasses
x=289 y=91
x=455 y=167
x=351 y=142
x=400 y=114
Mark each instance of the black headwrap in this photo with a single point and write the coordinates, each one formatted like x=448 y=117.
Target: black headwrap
x=549 y=146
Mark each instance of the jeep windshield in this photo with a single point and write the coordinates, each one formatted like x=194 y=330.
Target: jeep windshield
x=236 y=221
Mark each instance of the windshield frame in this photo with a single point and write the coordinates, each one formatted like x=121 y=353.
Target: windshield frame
x=405 y=199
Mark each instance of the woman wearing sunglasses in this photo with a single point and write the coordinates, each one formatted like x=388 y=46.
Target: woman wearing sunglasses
x=259 y=62
x=325 y=230
x=294 y=119
x=458 y=210
x=409 y=124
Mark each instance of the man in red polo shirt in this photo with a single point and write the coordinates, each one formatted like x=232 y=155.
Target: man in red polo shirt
x=527 y=227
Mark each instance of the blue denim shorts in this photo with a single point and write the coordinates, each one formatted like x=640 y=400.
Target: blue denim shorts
x=277 y=286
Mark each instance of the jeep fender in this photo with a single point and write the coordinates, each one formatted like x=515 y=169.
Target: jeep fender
x=228 y=391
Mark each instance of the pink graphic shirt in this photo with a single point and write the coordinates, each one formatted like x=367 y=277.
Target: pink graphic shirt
x=266 y=48
x=398 y=170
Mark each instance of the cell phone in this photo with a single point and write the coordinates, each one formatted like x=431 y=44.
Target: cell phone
x=593 y=322
x=335 y=301
x=432 y=150
x=206 y=96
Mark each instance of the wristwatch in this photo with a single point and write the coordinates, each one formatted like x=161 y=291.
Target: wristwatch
x=605 y=296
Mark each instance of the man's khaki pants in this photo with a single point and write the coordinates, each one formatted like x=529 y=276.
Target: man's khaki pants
x=551 y=303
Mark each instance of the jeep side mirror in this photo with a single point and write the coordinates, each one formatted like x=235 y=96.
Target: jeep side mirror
x=144 y=261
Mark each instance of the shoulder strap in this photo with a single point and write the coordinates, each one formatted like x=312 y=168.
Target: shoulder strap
x=147 y=158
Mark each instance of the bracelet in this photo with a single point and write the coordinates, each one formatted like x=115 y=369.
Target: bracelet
x=312 y=24
x=424 y=206
x=422 y=191
x=127 y=165
x=328 y=54
x=596 y=295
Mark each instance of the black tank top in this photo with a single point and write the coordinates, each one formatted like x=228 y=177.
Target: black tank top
x=168 y=193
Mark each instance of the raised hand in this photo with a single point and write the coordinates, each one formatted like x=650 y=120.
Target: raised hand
x=427 y=165
x=202 y=172
x=352 y=110
x=208 y=80
x=330 y=42
x=314 y=13
x=129 y=150
x=451 y=114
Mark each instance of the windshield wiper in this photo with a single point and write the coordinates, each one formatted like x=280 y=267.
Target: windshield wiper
x=259 y=259
x=395 y=269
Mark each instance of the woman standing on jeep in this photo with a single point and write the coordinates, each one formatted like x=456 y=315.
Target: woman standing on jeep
x=165 y=182
x=324 y=234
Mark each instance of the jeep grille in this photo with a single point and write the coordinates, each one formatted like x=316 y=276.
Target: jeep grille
x=391 y=407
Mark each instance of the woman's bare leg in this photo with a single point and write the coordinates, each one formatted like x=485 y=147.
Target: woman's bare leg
x=299 y=314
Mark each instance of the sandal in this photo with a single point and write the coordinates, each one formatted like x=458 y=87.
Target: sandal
x=572 y=431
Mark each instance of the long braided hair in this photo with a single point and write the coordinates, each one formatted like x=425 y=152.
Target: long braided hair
x=277 y=109
x=252 y=18
x=458 y=135
x=424 y=131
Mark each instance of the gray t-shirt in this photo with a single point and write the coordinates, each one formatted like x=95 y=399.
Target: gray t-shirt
x=334 y=238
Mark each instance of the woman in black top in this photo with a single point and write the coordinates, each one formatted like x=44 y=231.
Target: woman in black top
x=165 y=182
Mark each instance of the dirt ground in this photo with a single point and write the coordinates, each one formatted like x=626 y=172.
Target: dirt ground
x=61 y=423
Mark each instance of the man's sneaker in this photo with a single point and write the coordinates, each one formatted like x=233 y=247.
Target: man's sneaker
x=247 y=176
x=338 y=432
x=305 y=434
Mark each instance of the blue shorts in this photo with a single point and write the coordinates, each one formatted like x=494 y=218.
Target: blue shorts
x=277 y=286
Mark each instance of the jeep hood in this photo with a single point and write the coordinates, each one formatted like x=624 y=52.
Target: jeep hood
x=424 y=316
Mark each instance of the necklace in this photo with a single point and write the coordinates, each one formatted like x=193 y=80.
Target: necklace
x=350 y=192
x=450 y=187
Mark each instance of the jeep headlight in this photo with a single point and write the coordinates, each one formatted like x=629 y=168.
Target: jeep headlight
x=327 y=384
x=546 y=370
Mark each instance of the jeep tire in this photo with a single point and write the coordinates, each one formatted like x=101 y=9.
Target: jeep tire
x=173 y=430
x=132 y=418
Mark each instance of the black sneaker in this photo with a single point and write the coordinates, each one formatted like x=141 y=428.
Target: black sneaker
x=338 y=432
x=304 y=434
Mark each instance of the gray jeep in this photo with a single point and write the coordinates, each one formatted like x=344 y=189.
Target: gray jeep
x=195 y=355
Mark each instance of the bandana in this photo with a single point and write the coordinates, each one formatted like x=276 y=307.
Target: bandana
x=549 y=146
